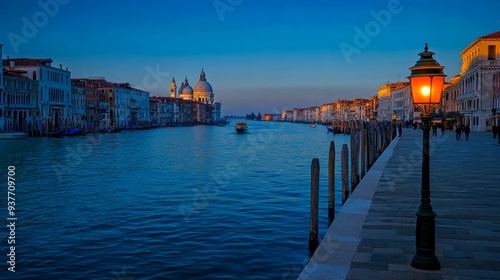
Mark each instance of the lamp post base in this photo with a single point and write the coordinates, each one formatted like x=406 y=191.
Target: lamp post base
x=425 y=263
x=425 y=257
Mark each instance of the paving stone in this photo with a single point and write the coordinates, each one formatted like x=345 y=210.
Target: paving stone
x=464 y=196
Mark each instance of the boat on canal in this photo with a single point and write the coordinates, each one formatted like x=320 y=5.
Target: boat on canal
x=53 y=133
x=241 y=127
x=73 y=132
x=12 y=135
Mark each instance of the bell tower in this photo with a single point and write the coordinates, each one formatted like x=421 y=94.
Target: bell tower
x=173 y=89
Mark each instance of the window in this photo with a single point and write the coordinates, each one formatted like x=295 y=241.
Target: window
x=492 y=52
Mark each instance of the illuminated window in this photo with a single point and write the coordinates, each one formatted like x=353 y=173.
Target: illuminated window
x=492 y=52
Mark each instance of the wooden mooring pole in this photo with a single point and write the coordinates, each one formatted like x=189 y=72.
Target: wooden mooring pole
x=331 y=183
x=313 y=230
x=345 y=173
x=354 y=159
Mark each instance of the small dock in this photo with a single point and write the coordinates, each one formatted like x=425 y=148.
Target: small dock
x=373 y=234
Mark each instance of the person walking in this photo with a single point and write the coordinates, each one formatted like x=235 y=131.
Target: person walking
x=495 y=129
x=434 y=130
x=458 y=132
x=442 y=129
x=467 y=132
x=400 y=129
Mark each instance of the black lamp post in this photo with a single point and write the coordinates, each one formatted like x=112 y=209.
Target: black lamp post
x=426 y=82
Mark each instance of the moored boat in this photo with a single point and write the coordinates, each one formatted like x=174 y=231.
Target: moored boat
x=11 y=135
x=241 y=127
x=117 y=129
x=73 y=132
x=53 y=133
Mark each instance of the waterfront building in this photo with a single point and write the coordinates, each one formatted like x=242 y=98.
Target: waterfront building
x=186 y=114
x=3 y=105
x=373 y=108
x=1 y=72
x=327 y=112
x=163 y=110
x=312 y=114
x=359 y=109
x=119 y=104
x=401 y=101
x=450 y=105
x=271 y=117
x=54 y=88
x=496 y=98
x=343 y=110
x=18 y=101
x=78 y=105
x=384 y=102
x=91 y=117
x=395 y=94
x=480 y=62
x=105 y=109
x=287 y=115
x=206 y=108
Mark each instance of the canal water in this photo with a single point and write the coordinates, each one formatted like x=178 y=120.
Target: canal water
x=173 y=203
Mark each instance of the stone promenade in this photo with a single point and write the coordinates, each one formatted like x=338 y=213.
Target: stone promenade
x=373 y=235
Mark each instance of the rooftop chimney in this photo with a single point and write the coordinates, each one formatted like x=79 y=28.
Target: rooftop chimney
x=60 y=66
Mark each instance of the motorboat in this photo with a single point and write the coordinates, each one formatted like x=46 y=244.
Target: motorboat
x=241 y=127
x=11 y=135
x=313 y=125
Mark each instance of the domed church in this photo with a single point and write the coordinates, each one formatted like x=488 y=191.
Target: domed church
x=202 y=94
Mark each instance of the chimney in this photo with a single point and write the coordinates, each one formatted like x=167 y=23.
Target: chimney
x=60 y=66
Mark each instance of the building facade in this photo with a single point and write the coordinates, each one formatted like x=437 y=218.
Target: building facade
x=78 y=108
x=401 y=102
x=206 y=109
x=480 y=62
x=18 y=102
x=496 y=100
x=54 y=88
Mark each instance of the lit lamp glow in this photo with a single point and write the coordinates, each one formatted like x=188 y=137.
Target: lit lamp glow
x=426 y=82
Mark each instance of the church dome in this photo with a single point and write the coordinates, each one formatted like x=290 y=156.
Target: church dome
x=203 y=87
x=203 y=90
x=186 y=91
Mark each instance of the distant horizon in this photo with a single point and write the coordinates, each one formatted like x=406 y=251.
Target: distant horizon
x=258 y=56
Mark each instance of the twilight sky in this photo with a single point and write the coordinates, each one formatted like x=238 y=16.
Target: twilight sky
x=259 y=56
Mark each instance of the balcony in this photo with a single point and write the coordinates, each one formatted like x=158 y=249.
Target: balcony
x=488 y=63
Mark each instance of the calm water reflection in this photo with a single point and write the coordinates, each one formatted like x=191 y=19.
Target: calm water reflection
x=173 y=203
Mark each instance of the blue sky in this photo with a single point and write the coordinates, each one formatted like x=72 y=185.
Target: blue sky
x=258 y=56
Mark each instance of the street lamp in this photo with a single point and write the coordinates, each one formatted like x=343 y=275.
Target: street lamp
x=426 y=82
